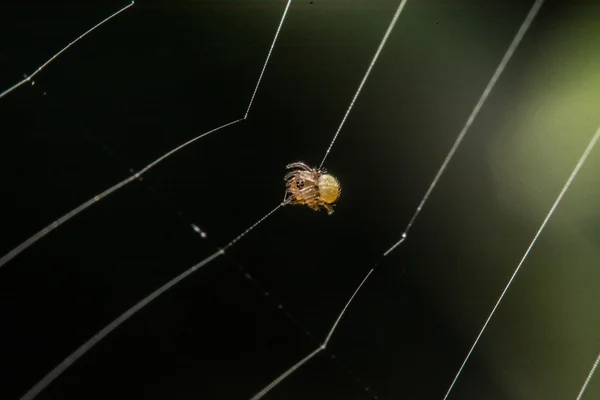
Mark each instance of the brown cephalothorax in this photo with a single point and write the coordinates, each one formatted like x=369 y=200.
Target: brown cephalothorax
x=310 y=186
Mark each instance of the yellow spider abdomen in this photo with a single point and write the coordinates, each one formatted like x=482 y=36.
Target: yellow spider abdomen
x=329 y=188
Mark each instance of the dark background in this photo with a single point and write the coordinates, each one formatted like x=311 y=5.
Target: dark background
x=165 y=71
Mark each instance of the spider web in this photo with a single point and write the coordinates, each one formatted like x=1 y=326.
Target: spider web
x=227 y=197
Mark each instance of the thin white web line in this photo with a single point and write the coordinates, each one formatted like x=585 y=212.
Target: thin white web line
x=27 y=243
x=323 y=346
x=7 y=91
x=55 y=224
x=84 y=348
x=268 y=57
x=79 y=352
x=234 y=241
x=170 y=153
x=281 y=377
x=589 y=378
x=558 y=199
x=337 y=321
x=507 y=56
x=385 y=38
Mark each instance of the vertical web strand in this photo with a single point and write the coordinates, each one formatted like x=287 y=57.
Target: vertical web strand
x=41 y=67
x=580 y=163
x=507 y=56
x=362 y=83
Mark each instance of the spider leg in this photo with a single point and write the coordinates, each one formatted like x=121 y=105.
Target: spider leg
x=291 y=198
x=305 y=175
x=307 y=185
x=290 y=175
x=309 y=193
x=306 y=195
x=314 y=206
x=299 y=164
x=328 y=208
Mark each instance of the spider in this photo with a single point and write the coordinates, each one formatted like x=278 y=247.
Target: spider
x=311 y=186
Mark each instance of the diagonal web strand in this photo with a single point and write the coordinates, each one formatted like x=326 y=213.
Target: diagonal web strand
x=580 y=163
x=588 y=379
x=180 y=147
x=74 y=212
x=322 y=347
x=268 y=57
x=362 y=83
x=40 y=68
x=90 y=343
x=507 y=56
x=281 y=377
x=269 y=296
x=258 y=286
x=55 y=224
x=337 y=321
x=299 y=324
x=241 y=235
